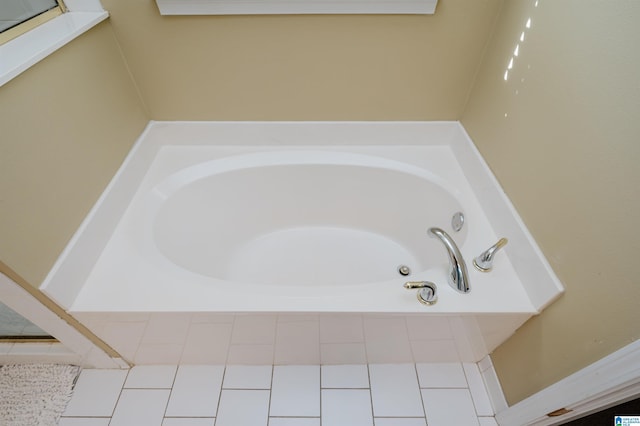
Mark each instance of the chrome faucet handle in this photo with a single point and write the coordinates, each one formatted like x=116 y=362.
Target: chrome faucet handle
x=484 y=262
x=427 y=291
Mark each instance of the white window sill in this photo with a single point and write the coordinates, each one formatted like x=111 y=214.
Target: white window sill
x=21 y=53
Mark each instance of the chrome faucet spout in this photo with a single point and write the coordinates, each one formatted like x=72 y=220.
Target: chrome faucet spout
x=458 y=276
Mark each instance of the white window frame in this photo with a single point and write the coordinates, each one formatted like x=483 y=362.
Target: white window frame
x=22 y=52
x=32 y=22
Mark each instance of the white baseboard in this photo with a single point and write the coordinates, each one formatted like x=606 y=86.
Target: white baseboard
x=607 y=382
x=491 y=382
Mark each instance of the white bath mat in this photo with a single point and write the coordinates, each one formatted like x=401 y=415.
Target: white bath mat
x=35 y=394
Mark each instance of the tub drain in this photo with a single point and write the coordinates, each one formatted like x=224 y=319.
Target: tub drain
x=404 y=270
x=457 y=221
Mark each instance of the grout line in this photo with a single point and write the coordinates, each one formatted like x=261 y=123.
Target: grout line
x=119 y=396
x=466 y=376
x=125 y=388
x=399 y=417
x=224 y=372
x=346 y=388
x=246 y=389
x=473 y=400
x=370 y=393
x=229 y=343
x=443 y=388
x=139 y=345
x=320 y=381
x=294 y=417
x=173 y=382
x=481 y=391
x=85 y=417
x=186 y=338
x=424 y=410
x=270 y=391
x=364 y=343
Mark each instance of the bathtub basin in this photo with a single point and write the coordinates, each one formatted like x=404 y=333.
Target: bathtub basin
x=219 y=223
x=300 y=218
x=284 y=230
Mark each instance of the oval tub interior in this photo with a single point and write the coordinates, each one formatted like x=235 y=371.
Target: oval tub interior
x=303 y=225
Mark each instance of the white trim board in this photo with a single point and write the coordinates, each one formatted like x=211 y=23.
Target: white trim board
x=19 y=54
x=608 y=381
x=270 y=7
x=24 y=51
x=80 y=349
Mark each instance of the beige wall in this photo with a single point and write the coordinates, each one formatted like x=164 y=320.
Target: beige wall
x=561 y=134
x=66 y=125
x=563 y=137
x=304 y=67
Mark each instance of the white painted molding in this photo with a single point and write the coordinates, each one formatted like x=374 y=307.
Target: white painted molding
x=84 y=5
x=608 y=381
x=492 y=384
x=23 y=52
x=269 y=7
x=80 y=349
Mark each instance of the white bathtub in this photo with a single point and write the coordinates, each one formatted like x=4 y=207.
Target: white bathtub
x=273 y=223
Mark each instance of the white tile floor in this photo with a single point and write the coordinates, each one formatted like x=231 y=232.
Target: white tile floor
x=293 y=395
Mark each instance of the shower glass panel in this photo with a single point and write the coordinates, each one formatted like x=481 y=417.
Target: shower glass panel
x=13 y=326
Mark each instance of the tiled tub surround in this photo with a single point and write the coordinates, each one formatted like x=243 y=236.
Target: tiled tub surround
x=120 y=278
x=286 y=338
x=300 y=395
